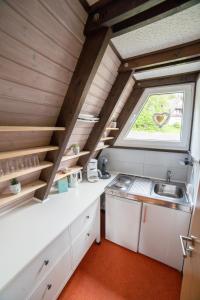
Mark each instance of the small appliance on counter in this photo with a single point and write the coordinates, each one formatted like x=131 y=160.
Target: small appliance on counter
x=75 y=179
x=93 y=173
x=102 y=165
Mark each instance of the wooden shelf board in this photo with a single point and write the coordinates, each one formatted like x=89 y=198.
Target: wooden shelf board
x=110 y=128
x=69 y=172
x=17 y=153
x=43 y=165
x=102 y=147
x=29 y=128
x=68 y=157
x=26 y=189
x=107 y=138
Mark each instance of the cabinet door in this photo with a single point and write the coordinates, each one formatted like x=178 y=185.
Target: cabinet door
x=123 y=221
x=160 y=231
x=55 y=281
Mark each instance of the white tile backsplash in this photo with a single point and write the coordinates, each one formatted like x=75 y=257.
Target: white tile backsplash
x=147 y=163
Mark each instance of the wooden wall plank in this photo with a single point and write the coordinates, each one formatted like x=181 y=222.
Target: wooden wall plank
x=40 y=45
x=81 y=81
x=20 y=29
x=28 y=94
x=28 y=57
x=105 y=115
x=14 y=72
x=38 y=15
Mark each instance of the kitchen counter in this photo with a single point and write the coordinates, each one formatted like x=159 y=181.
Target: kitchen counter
x=28 y=229
x=142 y=190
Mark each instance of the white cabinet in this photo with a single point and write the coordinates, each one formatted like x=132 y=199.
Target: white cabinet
x=55 y=281
x=34 y=273
x=123 y=221
x=160 y=231
x=84 y=231
x=46 y=275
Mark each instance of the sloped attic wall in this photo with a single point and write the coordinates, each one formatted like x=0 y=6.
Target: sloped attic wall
x=98 y=92
x=40 y=45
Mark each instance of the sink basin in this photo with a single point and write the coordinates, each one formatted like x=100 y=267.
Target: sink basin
x=168 y=190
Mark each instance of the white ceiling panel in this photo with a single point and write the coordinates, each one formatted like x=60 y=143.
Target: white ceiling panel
x=170 y=31
x=167 y=71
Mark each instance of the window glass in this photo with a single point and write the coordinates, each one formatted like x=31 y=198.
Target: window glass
x=160 y=119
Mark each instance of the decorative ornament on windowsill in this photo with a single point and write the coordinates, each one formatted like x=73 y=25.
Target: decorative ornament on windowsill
x=15 y=186
x=161 y=119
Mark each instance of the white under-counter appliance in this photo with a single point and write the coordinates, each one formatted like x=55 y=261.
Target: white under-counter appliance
x=122 y=215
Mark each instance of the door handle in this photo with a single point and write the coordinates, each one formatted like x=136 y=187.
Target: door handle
x=144 y=214
x=188 y=250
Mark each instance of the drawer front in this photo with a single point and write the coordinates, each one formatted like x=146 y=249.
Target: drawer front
x=55 y=281
x=82 y=244
x=83 y=221
x=38 y=268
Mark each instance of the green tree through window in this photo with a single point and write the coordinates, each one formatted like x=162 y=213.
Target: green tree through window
x=168 y=107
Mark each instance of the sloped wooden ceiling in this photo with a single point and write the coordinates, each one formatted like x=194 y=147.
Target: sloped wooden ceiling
x=98 y=92
x=40 y=45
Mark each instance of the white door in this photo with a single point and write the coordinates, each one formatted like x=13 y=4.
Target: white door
x=123 y=221
x=160 y=231
x=191 y=272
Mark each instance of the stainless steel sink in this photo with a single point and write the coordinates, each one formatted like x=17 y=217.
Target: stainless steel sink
x=168 y=190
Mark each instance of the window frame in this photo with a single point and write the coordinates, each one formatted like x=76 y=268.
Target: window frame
x=188 y=102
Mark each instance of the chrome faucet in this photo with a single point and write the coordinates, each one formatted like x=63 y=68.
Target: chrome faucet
x=169 y=175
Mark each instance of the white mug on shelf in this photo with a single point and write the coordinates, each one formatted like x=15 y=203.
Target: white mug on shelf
x=74 y=179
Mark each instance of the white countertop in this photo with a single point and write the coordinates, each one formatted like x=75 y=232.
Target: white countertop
x=27 y=230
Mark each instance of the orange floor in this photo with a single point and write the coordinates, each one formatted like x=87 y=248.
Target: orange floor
x=110 y=272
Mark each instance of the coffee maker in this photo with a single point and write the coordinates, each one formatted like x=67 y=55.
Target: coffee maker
x=93 y=173
x=102 y=165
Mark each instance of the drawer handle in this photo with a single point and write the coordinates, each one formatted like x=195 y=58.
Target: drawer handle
x=87 y=217
x=47 y=288
x=88 y=234
x=45 y=263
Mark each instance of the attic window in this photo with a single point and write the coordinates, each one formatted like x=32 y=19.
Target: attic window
x=162 y=119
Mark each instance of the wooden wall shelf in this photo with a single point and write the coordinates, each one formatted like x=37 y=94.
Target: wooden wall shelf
x=29 y=128
x=17 y=153
x=68 y=157
x=43 y=165
x=26 y=189
x=101 y=147
x=110 y=128
x=107 y=138
x=71 y=170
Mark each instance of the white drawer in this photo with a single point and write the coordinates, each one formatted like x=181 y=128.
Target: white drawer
x=55 y=281
x=84 y=220
x=82 y=244
x=26 y=281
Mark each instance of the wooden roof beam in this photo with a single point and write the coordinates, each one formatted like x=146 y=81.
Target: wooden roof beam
x=161 y=57
x=168 y=80
x=112 y=12
x=128 y=108
x=105 y=115
x=127 y=15
x=86 y=68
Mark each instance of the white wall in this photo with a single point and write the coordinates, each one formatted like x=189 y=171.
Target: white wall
x=194 y=174
x=147 y=163
x=195 y=145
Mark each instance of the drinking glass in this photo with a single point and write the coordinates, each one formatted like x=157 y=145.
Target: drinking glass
x=1 y=169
